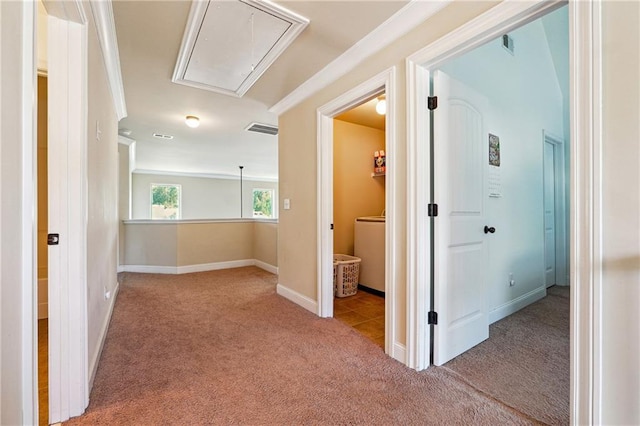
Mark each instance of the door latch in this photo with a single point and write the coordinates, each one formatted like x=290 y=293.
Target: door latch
x=53 y=239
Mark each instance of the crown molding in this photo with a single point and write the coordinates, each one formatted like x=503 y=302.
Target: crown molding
x=106 y=28
x=204 y=175
x=399 y=24
x=125 y=140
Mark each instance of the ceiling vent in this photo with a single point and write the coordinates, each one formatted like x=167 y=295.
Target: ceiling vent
x=267 y=129
x=507 y=43
x=228 y=45
x=161 y=136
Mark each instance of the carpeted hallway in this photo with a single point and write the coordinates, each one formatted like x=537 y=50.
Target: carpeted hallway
x=221 y=347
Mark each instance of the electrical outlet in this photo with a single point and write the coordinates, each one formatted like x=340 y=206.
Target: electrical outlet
x=512 y=282
x=107 y=294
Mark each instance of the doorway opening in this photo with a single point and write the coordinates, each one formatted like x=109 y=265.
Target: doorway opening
x=487 y=180
x=359 y=170
x=498 y=242
x=381 y=83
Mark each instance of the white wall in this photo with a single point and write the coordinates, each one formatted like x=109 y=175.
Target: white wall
x=202 y=198
x=525 y=99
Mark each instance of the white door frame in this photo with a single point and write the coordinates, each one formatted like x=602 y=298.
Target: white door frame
x=385 y=81
x=586 y=198
x=560 y=204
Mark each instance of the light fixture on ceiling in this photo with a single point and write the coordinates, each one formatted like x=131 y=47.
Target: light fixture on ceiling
x=381 y=105
x=192 y=121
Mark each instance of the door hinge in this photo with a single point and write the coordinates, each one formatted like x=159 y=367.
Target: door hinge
x=432 y=102
x=53 y=239
x=432 y=210
x=432 y=318
x=331 y=226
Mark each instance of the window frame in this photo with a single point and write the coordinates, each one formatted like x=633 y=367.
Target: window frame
x=273 y=203
x=179 y=212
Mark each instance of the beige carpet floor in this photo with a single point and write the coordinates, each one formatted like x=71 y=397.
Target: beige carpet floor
x=221 y=347
x=525 y=361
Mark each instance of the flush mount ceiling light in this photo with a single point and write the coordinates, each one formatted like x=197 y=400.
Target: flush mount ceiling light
x=228 y=45
x=192 y=121
x=381 y=105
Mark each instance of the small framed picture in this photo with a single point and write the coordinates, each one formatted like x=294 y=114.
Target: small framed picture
x=494 y=150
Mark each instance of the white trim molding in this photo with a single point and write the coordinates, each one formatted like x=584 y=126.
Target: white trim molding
x=205 y=175
x=403 y=21
x=106 y=28
x=202 y=267
x=513 y=306
x=560 y=184
x=382 y=82
x=93 y=365
x=125 y=140
x=28 y=208
x=585 y=22
x=297 y=298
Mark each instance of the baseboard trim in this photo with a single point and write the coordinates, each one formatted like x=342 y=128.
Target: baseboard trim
x=93 y=366
x=203 y=267
x=297 y=298
x=267 y=267
x=120 y=268
x=214 y=266
x=516 y=304
x=399 y=352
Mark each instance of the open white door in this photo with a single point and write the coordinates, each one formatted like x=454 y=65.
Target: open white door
x=461 y=252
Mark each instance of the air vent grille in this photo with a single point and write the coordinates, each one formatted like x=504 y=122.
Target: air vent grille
x=507 y=43
x=267 y=129
x=161 y=136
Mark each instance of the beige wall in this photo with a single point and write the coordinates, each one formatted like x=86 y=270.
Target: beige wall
x=102 y=190
x=621 y=219
x=202 y=198
x=297 y=232
x=176 y=244
x=203 y=243
x=124 y=185
x=355 y=192
x=265 y=242
x=12 y=361
x=620 y=349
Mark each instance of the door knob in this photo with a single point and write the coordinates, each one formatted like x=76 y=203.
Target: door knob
x=489 y=229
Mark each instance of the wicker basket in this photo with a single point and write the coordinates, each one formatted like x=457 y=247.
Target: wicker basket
x=346 y=271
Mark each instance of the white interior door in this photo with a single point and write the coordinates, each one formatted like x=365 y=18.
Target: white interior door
x=549 y=214
x=461 y=252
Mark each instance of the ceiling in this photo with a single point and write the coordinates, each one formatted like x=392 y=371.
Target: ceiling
x=149 y=39
x=365 y=115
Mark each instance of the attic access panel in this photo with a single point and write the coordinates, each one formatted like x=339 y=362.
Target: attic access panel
x=228 y=45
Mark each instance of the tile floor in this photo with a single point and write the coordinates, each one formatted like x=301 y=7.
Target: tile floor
x=364 y=312
x=43 y=371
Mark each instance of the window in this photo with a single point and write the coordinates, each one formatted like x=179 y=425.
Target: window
x=165 y=201
x=263 y=203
